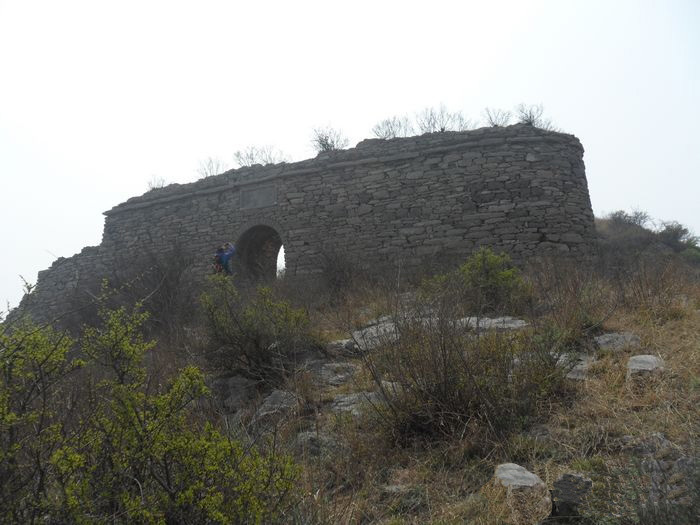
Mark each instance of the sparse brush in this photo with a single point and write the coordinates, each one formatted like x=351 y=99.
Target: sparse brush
x=655 y=288
x=572 y=302
x=487 y=283
x=257 y=333
x=449 y=382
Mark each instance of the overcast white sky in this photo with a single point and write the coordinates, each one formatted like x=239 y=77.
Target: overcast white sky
x=98 y=97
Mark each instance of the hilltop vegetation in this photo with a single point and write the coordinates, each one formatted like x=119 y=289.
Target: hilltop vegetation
x=369 y=399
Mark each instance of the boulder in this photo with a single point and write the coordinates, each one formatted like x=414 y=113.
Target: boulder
x=640 y=366
x=616 y=341
x=570 y=491
x=518 y=496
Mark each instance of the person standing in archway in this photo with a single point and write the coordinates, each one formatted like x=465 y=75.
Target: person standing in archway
x=229 y=252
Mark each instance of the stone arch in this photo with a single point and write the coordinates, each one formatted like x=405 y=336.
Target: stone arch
x=256 y=252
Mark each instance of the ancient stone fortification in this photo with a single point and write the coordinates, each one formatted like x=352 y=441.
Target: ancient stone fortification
x=413 y=201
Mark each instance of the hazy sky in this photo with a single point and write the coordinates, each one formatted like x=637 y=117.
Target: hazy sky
x=97 y=97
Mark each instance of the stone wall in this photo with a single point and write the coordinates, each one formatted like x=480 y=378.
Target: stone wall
x=414 y=201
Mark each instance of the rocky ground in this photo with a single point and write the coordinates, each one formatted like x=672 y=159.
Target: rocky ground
x=637 y=389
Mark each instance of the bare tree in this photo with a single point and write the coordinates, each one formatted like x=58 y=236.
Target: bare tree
x=431 y=120
x=211 y=166
x=259 y=155
x=156 y=182
x=328 y=139
x=533 y=115
x=461 y=123
x=497 y=117
x=393 y=127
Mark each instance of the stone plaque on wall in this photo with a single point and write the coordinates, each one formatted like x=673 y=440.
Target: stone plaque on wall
x=258 y=197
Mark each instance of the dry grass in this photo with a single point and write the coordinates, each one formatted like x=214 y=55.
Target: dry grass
x=371 y=480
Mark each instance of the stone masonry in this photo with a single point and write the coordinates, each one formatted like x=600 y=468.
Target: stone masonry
x=410 y=201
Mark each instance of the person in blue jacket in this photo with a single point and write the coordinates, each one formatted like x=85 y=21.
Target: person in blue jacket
x=229 y=252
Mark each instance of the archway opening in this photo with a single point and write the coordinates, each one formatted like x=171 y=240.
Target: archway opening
x=258 y=252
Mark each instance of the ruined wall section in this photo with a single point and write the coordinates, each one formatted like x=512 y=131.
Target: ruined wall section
x=417 y=200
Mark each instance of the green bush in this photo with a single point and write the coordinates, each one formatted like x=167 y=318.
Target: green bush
x=486 y=283
x=33 y=370
x=259 y=333
x=130 y=450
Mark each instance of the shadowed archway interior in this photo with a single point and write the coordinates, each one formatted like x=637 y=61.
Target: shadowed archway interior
x=257 y=251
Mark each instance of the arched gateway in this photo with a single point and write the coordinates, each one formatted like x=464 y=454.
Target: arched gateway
x=256 y=252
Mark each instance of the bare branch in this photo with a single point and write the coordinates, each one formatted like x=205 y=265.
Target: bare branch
x=259 y=155
x=440 y=119
x=533 y=116
x=393 y=127
x=328 y=139
x=156 y=182
x=497 y=117
x=211 y=166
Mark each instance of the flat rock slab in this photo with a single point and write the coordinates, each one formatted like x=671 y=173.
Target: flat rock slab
x=644 y=365
x=383 y=330
x=333 y=373
x=354 y=403
x=493 y=323
x=523 y=493
x=616 y=341
x=342 y=347
x=513 y=475
x=277 y=404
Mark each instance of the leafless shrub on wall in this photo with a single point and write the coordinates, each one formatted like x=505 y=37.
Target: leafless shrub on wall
x=328 y=139
x=156 y=182
x=533 y=115
x=393 y=127
x=441 y=119
x=211 y=166
x=497 y=118
x=259 y=155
